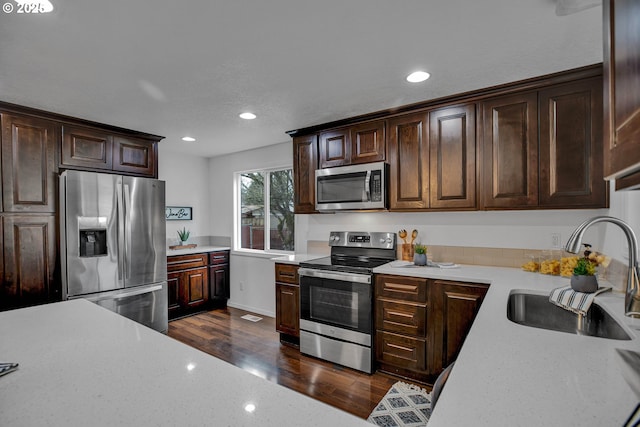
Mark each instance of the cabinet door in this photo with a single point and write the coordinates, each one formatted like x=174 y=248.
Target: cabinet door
x=510 y=151
x=219 y=282
x=452 y=142
x=288 y=309
x=335 y=148
x=570 y=145
x=30 y=250
x=173 y=291
x=29 y=165
x=367 y=142
x=135 y=156
x=622 y=90
x=305 y=163
x=408 y=162
x=86 y=147
x=454 y=307
x=194 y=290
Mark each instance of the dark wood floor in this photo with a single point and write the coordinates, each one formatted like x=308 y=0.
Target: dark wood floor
x=255 y=347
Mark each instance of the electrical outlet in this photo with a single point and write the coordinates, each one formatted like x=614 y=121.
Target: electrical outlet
x=556 y=240
x=242 y=286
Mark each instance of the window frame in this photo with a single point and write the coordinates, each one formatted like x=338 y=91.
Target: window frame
x=237 y=211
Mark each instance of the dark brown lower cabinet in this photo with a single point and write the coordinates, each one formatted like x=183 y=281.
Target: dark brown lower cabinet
x=29 y=262
x=219 y=291
x=187 y=283
x=421 y=324
x=287 y=303
x=454 y=306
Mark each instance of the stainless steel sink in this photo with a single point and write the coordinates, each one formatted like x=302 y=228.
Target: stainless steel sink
x=536 y=311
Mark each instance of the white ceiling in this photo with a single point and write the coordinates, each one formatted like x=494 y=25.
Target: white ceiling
x=177 y=68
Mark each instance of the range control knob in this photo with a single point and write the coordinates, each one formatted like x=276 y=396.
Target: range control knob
x=335 y=238
x=383 y=240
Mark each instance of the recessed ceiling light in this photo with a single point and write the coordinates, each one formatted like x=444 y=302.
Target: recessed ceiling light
x=418 y=76
x=248 y=116
x=188 y=139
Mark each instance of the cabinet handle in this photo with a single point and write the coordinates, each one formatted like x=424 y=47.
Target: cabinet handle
x=219 y=256
x=286 y=274
x=400 y=287
x=399 y=347
x=184 y=261
x=397 y=313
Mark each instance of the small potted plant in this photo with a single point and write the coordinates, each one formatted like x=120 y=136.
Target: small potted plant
x=184 y=235
x=584 y=279
x=420 y=254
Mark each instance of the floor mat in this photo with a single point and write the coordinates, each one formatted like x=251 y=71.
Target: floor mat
x=403 y=405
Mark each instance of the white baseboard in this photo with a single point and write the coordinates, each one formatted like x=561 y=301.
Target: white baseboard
x=250 y=309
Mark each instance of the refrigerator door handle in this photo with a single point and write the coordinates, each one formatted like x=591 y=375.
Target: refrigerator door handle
x=123 y=295
x=120 y=248
x=127 y=231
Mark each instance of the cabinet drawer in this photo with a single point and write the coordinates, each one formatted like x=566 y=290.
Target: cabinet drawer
x=184 y=262
x=399 y=317
x=287 y=273
x=401 y=288
x=221 y=257
x=401 y=351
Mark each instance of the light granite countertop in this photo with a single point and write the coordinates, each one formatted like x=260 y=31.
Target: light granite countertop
x=296 y=259
x=197 y=250
x=81 y=364
x=512 y=375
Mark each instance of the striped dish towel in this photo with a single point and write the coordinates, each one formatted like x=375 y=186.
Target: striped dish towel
x=576 y=302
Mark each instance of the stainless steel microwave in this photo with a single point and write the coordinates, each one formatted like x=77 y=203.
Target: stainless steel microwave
x=352 y=187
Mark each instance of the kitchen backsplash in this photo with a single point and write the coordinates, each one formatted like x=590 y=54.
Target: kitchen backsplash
x=615 y=274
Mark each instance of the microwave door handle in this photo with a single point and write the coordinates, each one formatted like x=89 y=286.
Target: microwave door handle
x=367 y=185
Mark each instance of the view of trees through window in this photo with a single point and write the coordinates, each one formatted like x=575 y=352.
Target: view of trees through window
x=266 y=203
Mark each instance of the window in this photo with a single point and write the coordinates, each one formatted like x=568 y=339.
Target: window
x=265 y=203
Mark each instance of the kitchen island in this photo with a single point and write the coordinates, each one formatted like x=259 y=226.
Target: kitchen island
x=508 y=374
x=83 y=365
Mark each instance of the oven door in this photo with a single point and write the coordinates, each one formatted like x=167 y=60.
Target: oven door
x=337 y=299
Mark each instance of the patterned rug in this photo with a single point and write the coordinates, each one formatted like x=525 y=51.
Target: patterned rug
x=403 y=405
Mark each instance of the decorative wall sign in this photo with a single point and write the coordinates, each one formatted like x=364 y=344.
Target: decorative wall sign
x=173 y=213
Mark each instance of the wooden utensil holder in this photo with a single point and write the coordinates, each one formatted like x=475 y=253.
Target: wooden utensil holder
x=407 y=252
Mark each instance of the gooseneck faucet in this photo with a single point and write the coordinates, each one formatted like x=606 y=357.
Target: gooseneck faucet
x=632 y=297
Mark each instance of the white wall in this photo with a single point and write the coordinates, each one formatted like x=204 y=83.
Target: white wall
x=252 y=277
x=187 y=184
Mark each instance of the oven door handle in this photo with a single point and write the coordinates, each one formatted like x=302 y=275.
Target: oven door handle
x=335 y=275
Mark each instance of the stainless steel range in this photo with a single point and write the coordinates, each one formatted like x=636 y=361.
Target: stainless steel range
x=336 y=298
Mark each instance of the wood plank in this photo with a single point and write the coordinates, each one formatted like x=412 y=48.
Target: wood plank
x=256 y=348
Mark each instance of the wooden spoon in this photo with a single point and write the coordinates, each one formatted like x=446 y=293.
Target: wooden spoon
x=414 y=234
x=403 y=234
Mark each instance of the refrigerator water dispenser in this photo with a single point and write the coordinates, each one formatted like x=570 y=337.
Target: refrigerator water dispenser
x=93 y=243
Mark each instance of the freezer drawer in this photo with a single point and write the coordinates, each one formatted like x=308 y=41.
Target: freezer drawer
x=144 y=304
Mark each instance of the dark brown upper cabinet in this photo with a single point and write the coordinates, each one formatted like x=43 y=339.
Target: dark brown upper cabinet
x=408 y=147
x=91 y=148
x=533 y=144
x=622 y=92
x=452 y=146
x=135 y=155
x=29 y=164
x=571 y=173
x=368 y=142
x=510 y=151
x=361 y=143
x=305 y=163
x=86 y=147
x=335 y=148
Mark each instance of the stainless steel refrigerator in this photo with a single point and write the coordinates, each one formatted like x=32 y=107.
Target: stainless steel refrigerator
x=113 y=244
